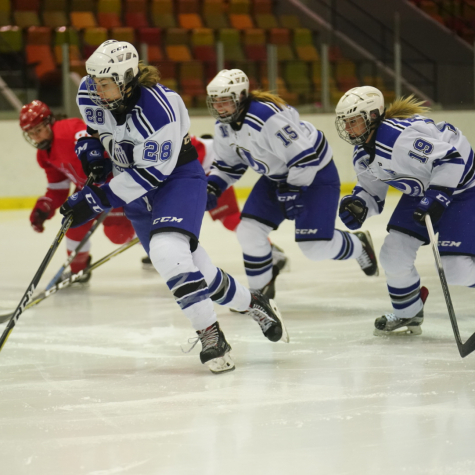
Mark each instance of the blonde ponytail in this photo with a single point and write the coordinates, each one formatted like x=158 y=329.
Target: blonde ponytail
x=265 y=96
x=405 y=107
x=149 y=75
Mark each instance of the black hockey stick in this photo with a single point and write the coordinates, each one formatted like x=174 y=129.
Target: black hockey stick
x=39 y=273
x=469 y=346
x=73 y=278
x=74 y=253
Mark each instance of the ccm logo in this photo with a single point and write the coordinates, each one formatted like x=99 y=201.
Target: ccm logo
x=287 y=198
x=306 y=231
x=449 y=244
x=168 y=219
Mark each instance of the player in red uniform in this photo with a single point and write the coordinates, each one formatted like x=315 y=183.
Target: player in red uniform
x=55 y=141
x=227 y=210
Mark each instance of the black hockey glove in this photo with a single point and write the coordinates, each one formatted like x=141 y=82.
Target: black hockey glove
x=353 y=211
x=290 y=199
x=91 y=153
x=214 y=192
x=85 y=205
x=435 y=202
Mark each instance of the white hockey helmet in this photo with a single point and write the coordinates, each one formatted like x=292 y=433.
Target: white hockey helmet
x=227 y=83
x=114 y=59
x=366 y=102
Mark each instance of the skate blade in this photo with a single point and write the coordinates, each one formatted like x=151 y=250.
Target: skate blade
x=415 y=330
x=285 y=334
x=368 y=235
x=221 y=364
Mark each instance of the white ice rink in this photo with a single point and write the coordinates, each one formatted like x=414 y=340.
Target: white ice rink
x=93 y=380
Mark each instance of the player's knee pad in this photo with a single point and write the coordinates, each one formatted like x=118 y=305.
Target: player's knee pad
x=170 y=254
x=398 y=253
x=459 y=270
x=252 y=236
x=317 y=250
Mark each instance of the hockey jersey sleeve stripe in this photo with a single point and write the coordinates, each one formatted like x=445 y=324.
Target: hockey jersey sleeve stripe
x=237 y=170
x=145 y=177
x=161 y=98
x=84 y=99
x=452 y=157
x=140 y=124
x=253 y=124
x=301 y=156
x=469 y=170
x=382 y=153
x=311 y=159
x=60 y=185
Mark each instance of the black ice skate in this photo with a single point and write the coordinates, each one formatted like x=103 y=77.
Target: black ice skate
x=269 y=289
x=147 y=263
x=367 y=260
x=215 y=352
x=279 y=258
x=389 y=324
x=267 y=315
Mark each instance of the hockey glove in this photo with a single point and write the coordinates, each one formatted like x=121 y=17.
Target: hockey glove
x=41 y=212
x=85 y=205
x=214 y=191
x=434 y=203
x=353 y=211
x=290 y=200
x=91 y=153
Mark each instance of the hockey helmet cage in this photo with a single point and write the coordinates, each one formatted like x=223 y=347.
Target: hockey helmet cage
x=227 y=83
x=366 y=102
x=114 y=59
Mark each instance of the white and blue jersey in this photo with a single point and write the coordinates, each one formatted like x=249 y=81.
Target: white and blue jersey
x=274 y=142
x=411 y=155
x=145 y=148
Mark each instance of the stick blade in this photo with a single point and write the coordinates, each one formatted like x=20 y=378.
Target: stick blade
x=468 y=347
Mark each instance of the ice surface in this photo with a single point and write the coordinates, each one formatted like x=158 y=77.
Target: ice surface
x=93 y=380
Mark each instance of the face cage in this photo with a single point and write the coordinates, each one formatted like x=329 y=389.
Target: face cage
x=44 y=144
x=345 y=135
x=210 y=100
x=104 y=103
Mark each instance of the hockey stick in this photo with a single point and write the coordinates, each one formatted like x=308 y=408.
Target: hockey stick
x=469 y=346
x=39 y=273
x=74 y=253
x=73 y=278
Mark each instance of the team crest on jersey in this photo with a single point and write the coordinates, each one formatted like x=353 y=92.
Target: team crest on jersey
x=256 y=165
x=409 y=186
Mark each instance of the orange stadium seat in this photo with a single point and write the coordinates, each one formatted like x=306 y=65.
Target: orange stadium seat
x=177 y=45
x=26 y=13
x=109 y=13
x=304 y=45
x=82 y=14
x=136 y=14
x=54 y=13
x=189 y=21
x=40 y=55
x=241 y=21
x=152 y=37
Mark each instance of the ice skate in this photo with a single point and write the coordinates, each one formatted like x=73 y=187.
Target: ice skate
x=267 y=315
x=147 y=263
x=367 y=260
x=279 y=259
x=215 y=352
x=390 y=324
x=269 y=289
x=83 y=280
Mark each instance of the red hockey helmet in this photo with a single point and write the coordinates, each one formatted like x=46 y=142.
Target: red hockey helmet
x=33 y=114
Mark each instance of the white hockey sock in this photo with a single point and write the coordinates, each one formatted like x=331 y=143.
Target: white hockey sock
x=342 y=246
x=224 y=289
x=171 y=256
x=257 y=252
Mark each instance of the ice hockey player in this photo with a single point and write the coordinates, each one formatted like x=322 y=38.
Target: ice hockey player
x=299 y=178
x=432 y=164
x=143 y=126
x=227 y=209
x=55 y=141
